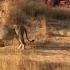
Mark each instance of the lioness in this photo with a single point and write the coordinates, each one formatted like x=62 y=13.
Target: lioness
x=20 y=31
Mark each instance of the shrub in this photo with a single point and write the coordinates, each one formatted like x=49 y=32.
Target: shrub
x=36 y=9
x=57 y=14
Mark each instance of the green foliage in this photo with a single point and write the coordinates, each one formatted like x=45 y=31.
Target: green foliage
x=36 y=9
x=57 y=14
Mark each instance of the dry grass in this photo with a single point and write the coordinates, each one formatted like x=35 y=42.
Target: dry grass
x=35 y=60
x=40 y=58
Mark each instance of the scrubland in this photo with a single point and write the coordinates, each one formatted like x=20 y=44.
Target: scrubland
x=50 y=28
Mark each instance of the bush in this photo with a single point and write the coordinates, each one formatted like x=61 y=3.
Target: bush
x=36 y=9
x=57 y=14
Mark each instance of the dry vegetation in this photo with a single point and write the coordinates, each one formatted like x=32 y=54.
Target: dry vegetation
x=48 y=27
x=35 y=60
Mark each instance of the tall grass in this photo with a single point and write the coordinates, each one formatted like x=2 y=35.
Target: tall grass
x=33 y=61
